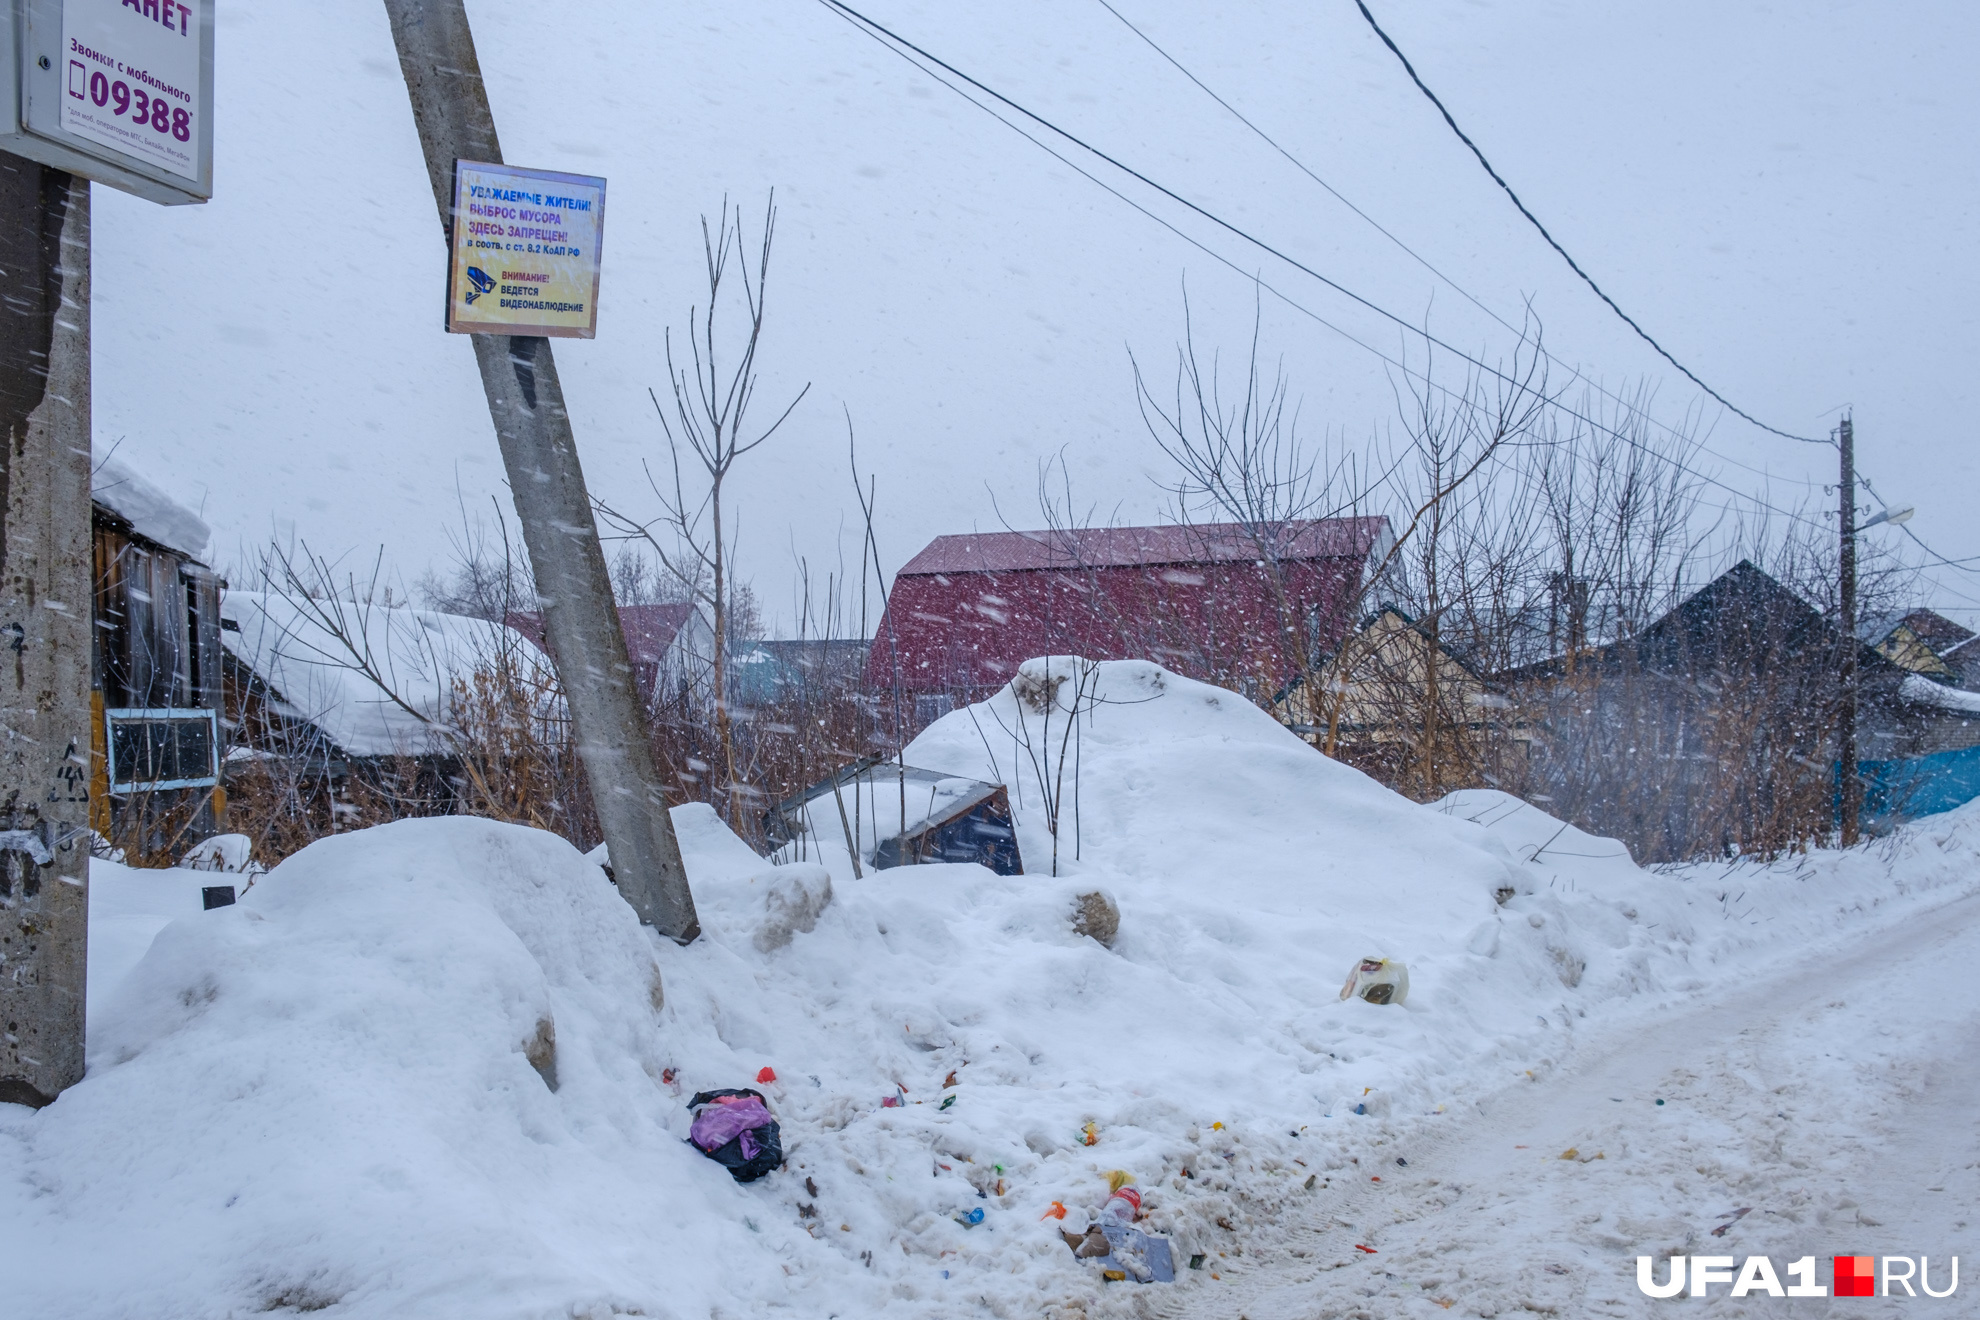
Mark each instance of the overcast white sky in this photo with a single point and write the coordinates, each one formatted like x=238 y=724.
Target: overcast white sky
x=1783 y=194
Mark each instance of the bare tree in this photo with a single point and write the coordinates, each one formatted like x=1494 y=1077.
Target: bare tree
x=1243 y=462
x=708 y=427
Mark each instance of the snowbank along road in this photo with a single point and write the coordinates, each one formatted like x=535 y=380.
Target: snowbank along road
x=1832 y=1108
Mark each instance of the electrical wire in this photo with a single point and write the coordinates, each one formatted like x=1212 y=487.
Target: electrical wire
x=1303 y=168
x=1573 y=265
x=900 y=47
x=1379 y=228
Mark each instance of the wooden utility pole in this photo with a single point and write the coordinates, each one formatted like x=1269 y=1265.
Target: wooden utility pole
x=45 y=611
x=1851 y=787
x=539 y=451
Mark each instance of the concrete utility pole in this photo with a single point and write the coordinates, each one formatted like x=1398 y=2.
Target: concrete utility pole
x=450 y=107
x=1852 y=787
x=45 y=611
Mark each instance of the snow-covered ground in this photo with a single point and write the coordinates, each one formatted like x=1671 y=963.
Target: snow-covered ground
x=336 y=1095
x=1821 y=1108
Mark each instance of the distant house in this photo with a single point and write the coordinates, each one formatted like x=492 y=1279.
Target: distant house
x=1741 y=680
x=763 y=673
x=1926 y=642
x=336 y=689
x=1382 y=680
x=671 y=647
x=968 y=610
x=1906 y=703
x=1912 y=641
x=155 y=673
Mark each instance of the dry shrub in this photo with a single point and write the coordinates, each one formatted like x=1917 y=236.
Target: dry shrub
x=516 y=761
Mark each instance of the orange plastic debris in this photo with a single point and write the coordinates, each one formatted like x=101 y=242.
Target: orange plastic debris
x=1370 y=1250
x=1058 y=1211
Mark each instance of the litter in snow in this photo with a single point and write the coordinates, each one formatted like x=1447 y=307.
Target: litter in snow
x=1377 y=980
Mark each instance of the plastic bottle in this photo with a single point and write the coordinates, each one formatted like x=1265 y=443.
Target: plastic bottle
x=1123 y=1206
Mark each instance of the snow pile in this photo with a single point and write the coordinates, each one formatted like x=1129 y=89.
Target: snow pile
x=151 y=513
x=378 y=680
x=339 y=1092
x=127 y=909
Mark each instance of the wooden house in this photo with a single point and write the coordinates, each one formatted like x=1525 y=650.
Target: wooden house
x=1902 y=639
x=156 y=668
x=1390 y=694
x=332 y=692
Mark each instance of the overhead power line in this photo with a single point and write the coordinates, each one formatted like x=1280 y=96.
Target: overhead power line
x=1302 y=166
x=901 y=48
x=1383 y=230
x=921 y=59
x=1573 y=265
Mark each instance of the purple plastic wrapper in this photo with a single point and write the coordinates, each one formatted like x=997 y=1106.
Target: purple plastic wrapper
x=718 y=1124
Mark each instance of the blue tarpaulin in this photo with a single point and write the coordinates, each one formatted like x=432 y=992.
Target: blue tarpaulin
x=1920 y=786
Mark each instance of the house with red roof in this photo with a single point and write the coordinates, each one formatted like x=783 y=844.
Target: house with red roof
x=1213 y=601
x=671 y=646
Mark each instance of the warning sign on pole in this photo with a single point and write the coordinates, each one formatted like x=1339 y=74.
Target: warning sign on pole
x=525 y=252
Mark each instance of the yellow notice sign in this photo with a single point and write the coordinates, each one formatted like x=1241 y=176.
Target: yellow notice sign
x=525 y=252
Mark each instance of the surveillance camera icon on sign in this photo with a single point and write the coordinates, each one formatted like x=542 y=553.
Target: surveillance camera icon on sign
x=482 y=284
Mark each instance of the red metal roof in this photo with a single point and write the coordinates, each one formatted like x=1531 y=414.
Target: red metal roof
x=966 y=611
x=1097 y=547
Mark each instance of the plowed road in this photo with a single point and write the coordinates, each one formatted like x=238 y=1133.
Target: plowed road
x=1836 y=1104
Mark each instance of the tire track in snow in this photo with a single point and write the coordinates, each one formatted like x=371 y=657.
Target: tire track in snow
x=1836 y=1101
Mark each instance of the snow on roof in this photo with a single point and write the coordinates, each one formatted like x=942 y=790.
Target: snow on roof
x=152 y=513
x=1918 y=688
x=931 y=797
x=1104 y=547
x=315 y=675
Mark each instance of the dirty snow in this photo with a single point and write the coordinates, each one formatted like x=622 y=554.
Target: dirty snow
x=324 y=1096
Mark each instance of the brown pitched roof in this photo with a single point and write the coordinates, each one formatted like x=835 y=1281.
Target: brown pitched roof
x=1935 y=629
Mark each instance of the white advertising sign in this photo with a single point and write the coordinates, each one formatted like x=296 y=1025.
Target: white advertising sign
x=131 y=79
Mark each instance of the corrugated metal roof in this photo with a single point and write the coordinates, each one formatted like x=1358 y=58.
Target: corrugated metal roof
x=1105 y=547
